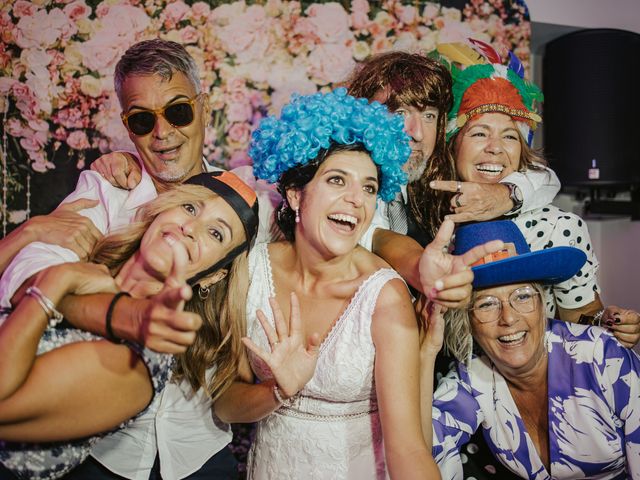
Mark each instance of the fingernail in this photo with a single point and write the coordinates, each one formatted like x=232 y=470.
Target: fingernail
x=617 y=320
x=439 y=285
x=609 y=323
x=432 y=184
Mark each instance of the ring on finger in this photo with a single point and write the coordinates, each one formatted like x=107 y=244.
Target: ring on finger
x=456 y=200
x=459 y=187
x=275 y=343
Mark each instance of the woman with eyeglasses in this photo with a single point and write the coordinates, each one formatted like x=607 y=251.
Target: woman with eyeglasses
x=61 y=388
x=553 y=399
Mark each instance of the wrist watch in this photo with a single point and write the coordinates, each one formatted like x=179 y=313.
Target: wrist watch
x=515 y=194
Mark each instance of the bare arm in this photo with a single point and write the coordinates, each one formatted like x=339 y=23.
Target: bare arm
x=573 y=314
x=430 y=345
x=62 y=227
x=397 y=379
x=147 y=322
x=258 y=400
x=41 y=393
x=401 y=252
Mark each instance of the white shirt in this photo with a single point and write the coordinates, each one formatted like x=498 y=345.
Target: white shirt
x=538 y=187
x=184 y=430
x=180 y=427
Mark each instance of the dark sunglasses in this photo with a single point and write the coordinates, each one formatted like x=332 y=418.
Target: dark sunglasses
x=142 y=122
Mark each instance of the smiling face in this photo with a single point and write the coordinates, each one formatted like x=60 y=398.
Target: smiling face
x=206 y=229
x=514 y=341
x=337 y=205
x=488 y=148
x=169 y=154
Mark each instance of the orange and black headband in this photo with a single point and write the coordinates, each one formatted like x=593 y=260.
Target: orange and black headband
x=244 y=202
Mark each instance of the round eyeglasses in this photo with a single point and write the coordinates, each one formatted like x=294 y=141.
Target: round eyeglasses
x=487 y=308
x=142 y=122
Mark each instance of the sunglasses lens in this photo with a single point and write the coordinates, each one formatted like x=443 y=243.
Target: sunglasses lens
x=141 y=123
x=179 y=114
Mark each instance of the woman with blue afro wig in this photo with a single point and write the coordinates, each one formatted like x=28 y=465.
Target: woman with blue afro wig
x=338 y=371
x=289 y=149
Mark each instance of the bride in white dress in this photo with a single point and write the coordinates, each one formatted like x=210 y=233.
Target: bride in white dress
x=338 y=373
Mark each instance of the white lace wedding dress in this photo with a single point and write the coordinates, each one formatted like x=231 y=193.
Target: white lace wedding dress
x=332 y=430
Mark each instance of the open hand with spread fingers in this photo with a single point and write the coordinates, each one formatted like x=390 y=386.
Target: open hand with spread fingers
x=446 y=278
x=292 y=358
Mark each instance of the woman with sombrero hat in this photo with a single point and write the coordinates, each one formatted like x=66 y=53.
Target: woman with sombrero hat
x=553 y=399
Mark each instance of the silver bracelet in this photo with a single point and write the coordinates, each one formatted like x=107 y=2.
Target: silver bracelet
x=54 y=316
x=597 y=318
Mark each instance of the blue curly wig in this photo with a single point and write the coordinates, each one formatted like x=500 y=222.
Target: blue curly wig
x=311 y=123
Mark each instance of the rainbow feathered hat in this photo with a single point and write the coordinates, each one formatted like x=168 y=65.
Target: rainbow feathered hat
x=486 y=85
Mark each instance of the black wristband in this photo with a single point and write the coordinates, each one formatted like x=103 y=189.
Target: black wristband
x=112 y=337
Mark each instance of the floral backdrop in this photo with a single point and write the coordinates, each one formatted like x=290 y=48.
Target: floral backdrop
x=59 y=110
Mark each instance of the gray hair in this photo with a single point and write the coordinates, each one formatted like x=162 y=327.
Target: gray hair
x=156 y=57
x=458 y=341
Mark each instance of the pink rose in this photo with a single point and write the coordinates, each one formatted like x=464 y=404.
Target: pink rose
x=360 y=14
x=174 y=13
x=78 y=140
x=239 y=133
x=407 y=14
x=200 y=10
x=236 y=84
x=6 y=84
x=38 y=125
x=102 y=9
x=30 y=144
x=431 y=10
x=77 y=10
x=43 y=29
x=380 y=45
x=245 y=34
x=189 y=34
x=24 y=9
x=330 y=22
x=331 y=63
x=239 y=112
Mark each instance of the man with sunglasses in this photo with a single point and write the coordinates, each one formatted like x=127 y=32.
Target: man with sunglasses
x=157 y=83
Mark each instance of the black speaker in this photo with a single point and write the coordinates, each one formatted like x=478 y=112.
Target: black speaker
x=591 y=84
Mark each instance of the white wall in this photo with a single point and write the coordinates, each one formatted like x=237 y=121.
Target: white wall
x=616 y=240
x=623 y=14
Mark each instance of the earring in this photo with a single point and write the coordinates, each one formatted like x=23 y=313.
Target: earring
x=297 y=215
x=203 y=292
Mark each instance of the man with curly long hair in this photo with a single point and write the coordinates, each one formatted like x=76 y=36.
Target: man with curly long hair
x=419 y=88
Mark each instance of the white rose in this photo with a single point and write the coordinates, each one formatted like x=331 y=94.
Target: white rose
x=91 y=86
x=361 y=50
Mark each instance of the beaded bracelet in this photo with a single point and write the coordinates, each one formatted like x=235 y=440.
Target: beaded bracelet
x=53 y=315
x=112 y=337
x=282 y=401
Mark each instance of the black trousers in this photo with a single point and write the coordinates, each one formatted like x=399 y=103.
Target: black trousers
x=222 y=466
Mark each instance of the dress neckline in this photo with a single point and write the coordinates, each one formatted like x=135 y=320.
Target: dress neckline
x=337 y=323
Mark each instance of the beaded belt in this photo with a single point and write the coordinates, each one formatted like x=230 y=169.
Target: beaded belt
x=311 y=408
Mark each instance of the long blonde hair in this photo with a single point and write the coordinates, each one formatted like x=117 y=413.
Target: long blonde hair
x=223 y=311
